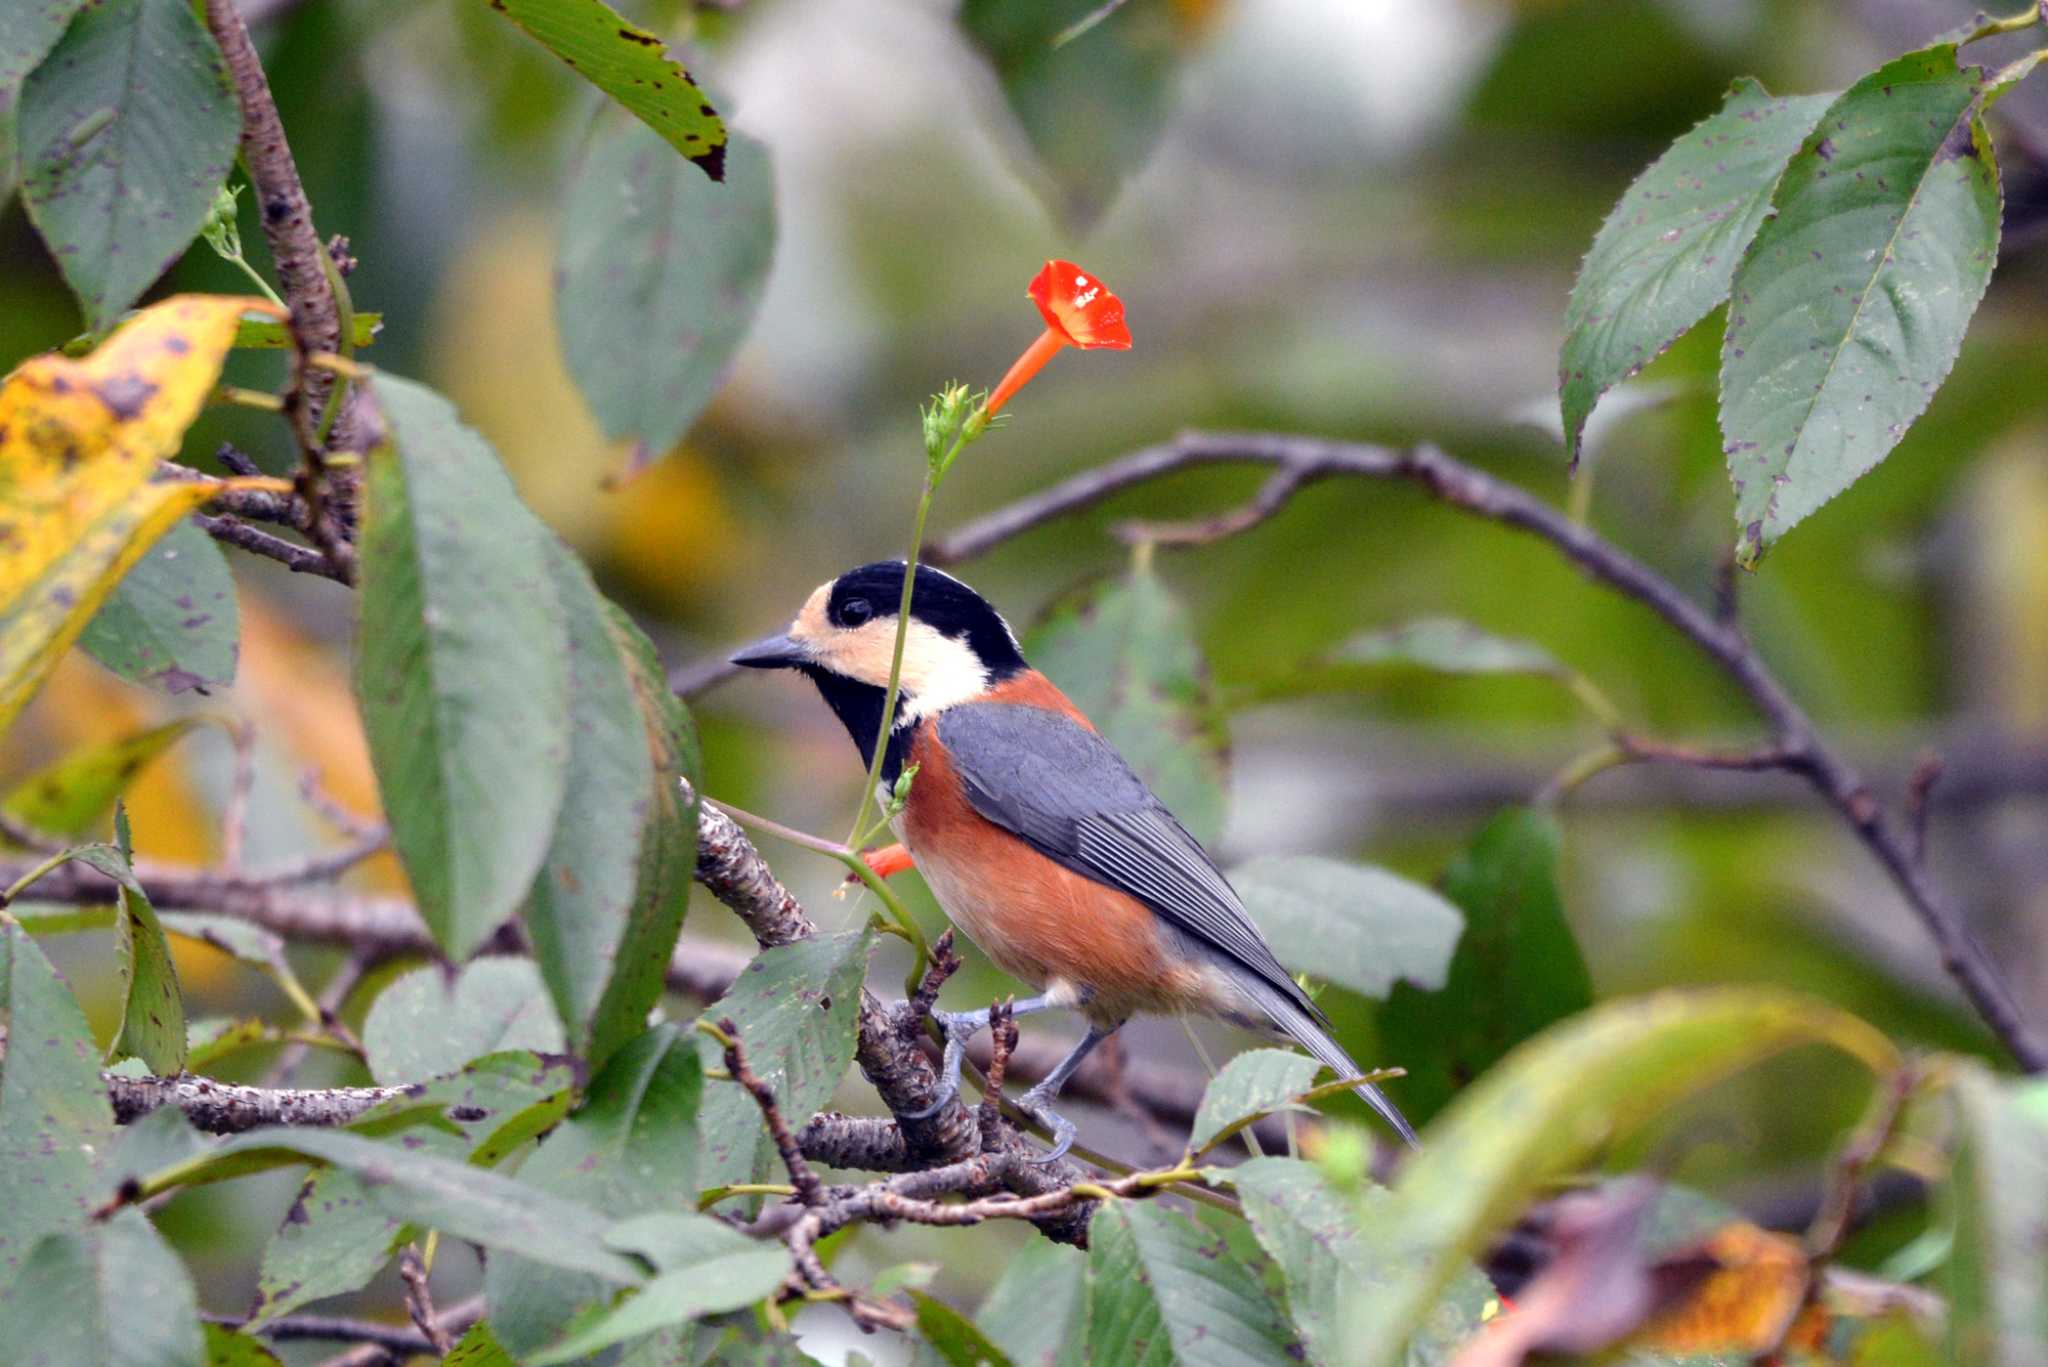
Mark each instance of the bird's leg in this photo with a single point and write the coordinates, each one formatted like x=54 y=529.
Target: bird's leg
x=1034 y=1103
x=958 y=1027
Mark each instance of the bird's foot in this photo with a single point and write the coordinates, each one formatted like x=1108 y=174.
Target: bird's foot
x=1036 y=1103
x=957 y=1027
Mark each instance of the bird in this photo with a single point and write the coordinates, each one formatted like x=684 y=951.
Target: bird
x=1037 y=838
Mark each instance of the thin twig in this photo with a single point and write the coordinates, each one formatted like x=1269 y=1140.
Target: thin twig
x=333 y=996
x=333 y=812
x=1919 y=800
x=809 y=1189
x=242 y=782
x=419 y=1300
x=299 y=559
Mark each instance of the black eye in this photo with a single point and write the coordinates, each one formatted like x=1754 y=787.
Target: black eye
x=855 y=611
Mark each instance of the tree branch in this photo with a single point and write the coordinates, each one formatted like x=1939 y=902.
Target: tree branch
x=1796 y=747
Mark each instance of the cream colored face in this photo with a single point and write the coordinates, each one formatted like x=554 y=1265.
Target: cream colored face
x=938 y=670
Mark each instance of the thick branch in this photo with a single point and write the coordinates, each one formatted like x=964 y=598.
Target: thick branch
x=227 y=1108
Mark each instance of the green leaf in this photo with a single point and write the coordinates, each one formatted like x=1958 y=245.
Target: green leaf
x=461 y=668
x=1999 y=1184
x=1327 y=1249
x=152 y=1005
x=953 y=1336
x=335 y=1238
x=226 y=1348
x=32 y=29
x=125 y=132
x=1552 y=1106
x=213 y=1038
x=479 y=1348
x=72 y=797
x=706 y=1267
x=1517 y=968
x=1164 y=1291
x=1851 y=304
x=1093 y=108
x=636 y=1134
x=1351 y=924
x=1668 y=251
x=1247 y=1087
x=1035 y=1311
x=606 y=906
x=795 y=1006
x=172 y=622
x=1124 y=652
x=112 y=1294
x=409 y=1183
x=659 y=279
x=632 y=66
x=54 y=1115
x=424 y=1025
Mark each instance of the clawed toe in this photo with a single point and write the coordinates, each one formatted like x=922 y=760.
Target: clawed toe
x=957 y=1027
x=1063 y=1130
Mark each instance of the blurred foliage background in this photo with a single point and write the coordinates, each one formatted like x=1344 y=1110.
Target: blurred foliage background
x=1358 y=218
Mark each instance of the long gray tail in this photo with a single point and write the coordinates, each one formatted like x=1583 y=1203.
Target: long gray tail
x=1306 y=1031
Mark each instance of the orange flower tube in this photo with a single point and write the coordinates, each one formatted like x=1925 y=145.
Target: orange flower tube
x=1079 y=311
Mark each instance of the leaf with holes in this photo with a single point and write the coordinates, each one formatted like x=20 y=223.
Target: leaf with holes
x=461 y=667
x=604 y=911
x=1553 y=1105
x=635 y=1134
x=795 y=1006
x=1668 y=251
x=1851 y=304
x=1351 y=924
x=111 y=1293
x=1163 y=1290
x=1517 y=967
x=172 y=622
x=632 y=66
x=125 y=133
x=79 y=444
x=1125 y=653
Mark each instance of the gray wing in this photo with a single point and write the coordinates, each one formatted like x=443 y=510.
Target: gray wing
x=1068 y=794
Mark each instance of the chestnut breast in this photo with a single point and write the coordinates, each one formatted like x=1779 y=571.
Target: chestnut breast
x=1036 y=919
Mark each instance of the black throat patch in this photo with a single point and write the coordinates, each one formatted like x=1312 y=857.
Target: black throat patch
x=859 y=709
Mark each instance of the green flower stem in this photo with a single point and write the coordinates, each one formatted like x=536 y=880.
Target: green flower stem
x=889 y=698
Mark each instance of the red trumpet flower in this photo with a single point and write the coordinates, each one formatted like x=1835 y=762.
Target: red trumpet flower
x=1079 y=311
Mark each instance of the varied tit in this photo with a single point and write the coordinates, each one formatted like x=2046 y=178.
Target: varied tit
x=1033 y=833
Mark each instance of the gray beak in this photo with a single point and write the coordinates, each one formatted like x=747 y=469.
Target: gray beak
x=773 y=652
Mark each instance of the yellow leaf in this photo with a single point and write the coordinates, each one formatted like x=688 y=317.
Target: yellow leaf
x=43 y=621
x=1744 y=1305
x=78 y=438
